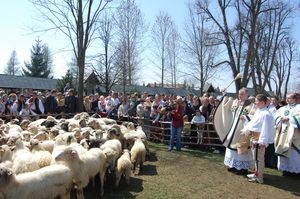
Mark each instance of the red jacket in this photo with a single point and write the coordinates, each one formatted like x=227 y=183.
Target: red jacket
x=177 y=116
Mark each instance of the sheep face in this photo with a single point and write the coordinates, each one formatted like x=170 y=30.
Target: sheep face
x=5 y=175
x=68 y=155
x=24 y=124
x=4 y=150
x=12 y=141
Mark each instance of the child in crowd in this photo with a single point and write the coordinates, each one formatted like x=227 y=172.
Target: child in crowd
x=25 y=112
x=198 y=124
x=186 y=131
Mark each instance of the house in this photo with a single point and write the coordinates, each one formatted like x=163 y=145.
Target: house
x=11 y=83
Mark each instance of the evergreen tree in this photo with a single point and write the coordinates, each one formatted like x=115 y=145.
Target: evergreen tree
x=12 y=67
x=61 y=83
x=40 y=65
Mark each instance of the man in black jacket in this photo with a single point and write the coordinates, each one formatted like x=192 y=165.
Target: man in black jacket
x=71 y=102
x=51 y=103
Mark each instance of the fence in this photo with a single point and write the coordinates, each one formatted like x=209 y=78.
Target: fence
x=158 y=131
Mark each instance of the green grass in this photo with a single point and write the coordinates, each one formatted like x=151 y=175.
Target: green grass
x=195 y=174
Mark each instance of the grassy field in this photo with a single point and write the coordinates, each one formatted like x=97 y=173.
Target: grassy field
x=195 y=174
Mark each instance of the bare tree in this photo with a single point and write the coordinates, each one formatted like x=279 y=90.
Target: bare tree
x=238 y=37
x=130 y=31
x=283 y=66
x=162 y=37
x=106 y=71
x=76 y=20
x=173 y=50
x=199 y=48
x=272 y=31
x=13 y=67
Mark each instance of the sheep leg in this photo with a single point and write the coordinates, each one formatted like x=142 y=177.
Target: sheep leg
x=118 y=178
x=65 y=196
x=127 y=176
x=79 y=193
x=102 y=176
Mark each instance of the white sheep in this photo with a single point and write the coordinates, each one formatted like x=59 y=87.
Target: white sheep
x=49 y=182
x=123 y=167
x=84 y=166
x=41 y=135
x=5 y=156
x=138 y=153
x=46 y=145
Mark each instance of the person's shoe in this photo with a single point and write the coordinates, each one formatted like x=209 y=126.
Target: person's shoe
x=252 y=175
x=169 y=149
x=231 y=169
x=256 y=180
x=242 y=172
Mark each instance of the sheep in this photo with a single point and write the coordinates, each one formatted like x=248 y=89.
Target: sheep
x=49 y=122
x=24 y=124
x=80 y=116
x=41 y=135
x=5 y=156
x=14 y=128
x=113 y=150
x=84 y=166
x=23 y=160
x=26 y=135
x=72 y=123
x=95 y=123
x=108 y=121
x=47 y=145
x=138 y=153
x=114 y=145
x=123 y=167
x=49 y=182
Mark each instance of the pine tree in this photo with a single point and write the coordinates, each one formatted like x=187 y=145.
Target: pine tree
x=61 y=83
x=40 y=65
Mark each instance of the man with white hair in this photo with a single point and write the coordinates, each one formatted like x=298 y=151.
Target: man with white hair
x=287 y=141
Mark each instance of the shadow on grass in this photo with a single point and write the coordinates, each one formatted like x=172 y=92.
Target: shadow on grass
x=148 y=170
x=291 y=184
x=110 y=191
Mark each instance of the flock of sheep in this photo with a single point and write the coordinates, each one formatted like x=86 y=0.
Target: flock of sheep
x=47 y=158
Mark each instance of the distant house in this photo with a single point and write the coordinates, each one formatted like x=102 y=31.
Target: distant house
x=13 y=83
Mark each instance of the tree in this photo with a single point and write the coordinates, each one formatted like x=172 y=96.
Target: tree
x=12 y=67
x=283 y=67
x=106 y=70
x=61 y=83
x=161 y=37
x=273 y=31
x=130 y=31
x=199 y=48
x=75 y=19
x=40 y=65
x=173 y=51
x=238 y=38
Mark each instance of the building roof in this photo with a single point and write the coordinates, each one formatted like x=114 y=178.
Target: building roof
x=23 y=82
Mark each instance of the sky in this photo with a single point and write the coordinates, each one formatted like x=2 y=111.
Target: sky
x=17 y=16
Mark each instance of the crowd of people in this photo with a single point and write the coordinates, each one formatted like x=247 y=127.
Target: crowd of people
x=272 y=126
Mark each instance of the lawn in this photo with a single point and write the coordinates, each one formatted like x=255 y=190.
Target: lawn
x=195 y=174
